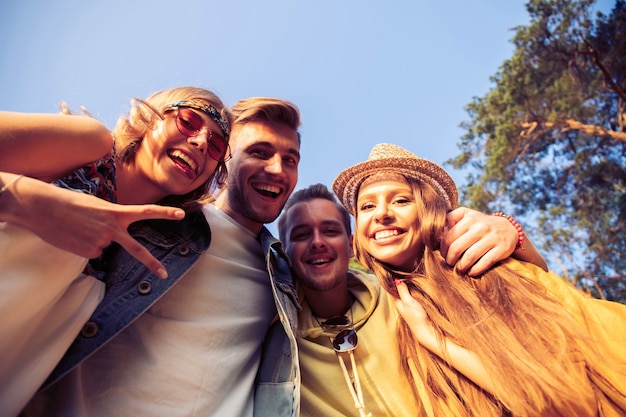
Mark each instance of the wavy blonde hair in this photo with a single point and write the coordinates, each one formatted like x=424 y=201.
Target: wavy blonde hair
x=530 y=345
x=132 y=127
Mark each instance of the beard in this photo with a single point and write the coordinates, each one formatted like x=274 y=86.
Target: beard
x=238 y=202
x=317 y=281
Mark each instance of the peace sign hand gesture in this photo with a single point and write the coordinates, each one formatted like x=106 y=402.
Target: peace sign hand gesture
x=81 y=223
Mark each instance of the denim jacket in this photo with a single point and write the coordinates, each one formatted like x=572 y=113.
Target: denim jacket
x=131 y=290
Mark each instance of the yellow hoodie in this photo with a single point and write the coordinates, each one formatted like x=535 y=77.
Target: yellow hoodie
x=324 y=391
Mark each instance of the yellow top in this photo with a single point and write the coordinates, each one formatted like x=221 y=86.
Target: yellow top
x=605 y=322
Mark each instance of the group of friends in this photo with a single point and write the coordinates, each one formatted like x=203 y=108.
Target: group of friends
x=138 y=278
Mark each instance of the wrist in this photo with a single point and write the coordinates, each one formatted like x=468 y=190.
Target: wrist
x=6 y=196
x=9 y=183
x=518 y=228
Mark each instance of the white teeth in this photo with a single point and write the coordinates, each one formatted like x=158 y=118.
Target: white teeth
x=269 y=188
x=385 y=233
x=180 y=155
x=320 y=261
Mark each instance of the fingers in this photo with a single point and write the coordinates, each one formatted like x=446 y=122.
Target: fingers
x=408 y=307
x=479 y=265
x=476 y=252
x=456 y=215
x=403 y=291
x=455 y=242
x=476 y=241
x=86 y=112
x=116 y=229
x=481 y=253
x=93 y=243
x=63 y=109
x=452 y=249
x=463 y=252
x=152 y=211
x=405 y=297
x=134 y=248
x=143 y=255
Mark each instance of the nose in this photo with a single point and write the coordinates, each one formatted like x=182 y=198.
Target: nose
x=274 y=165
x=317 y=240
x=200 y=141
x=382 y=212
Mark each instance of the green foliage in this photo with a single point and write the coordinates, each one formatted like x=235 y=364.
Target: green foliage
x=356 y=265
x=548 y=141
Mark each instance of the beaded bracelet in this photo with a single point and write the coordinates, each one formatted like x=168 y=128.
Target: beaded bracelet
x=10 y=183
x=520 y=232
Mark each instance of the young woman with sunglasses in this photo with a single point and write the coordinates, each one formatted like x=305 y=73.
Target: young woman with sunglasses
x=170 y=149
x=515 y=341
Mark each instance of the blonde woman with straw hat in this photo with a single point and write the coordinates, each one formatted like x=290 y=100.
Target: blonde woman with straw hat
x=516 y=340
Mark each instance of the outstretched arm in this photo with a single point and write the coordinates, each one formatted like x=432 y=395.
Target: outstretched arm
x=76 y=222
x=475 y=241
x=48 y=146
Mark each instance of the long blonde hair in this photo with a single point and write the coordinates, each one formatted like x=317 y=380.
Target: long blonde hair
x=529 y=344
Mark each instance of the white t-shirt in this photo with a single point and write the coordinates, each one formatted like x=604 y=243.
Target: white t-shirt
x=44 y=301
x=195 y=352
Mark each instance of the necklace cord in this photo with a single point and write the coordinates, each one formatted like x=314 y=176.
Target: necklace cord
x=354 y=382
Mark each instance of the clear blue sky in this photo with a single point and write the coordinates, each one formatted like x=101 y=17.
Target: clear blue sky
x=361 y=71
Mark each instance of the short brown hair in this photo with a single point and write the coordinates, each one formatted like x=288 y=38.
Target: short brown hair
x=267 y=109
x=309 y=193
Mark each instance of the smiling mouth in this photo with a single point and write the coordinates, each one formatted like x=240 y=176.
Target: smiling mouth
x=386 y=234
x=266 y=190
x=184 y=159
x=321 y=261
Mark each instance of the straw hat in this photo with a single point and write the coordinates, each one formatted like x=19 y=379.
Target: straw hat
x=386 y=157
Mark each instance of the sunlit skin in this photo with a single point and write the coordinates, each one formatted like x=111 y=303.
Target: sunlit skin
x=386 y=223
x=320 y=249
x=262 y=173
x=168 y=162
x=317 y=244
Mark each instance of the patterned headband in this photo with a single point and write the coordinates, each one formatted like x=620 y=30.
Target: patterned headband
x=209 y=110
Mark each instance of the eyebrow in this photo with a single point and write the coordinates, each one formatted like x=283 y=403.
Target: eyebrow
x=324 y=223
x=292 y=151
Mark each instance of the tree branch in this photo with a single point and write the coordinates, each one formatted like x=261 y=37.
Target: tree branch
x=605 y=71
x=571 y=124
